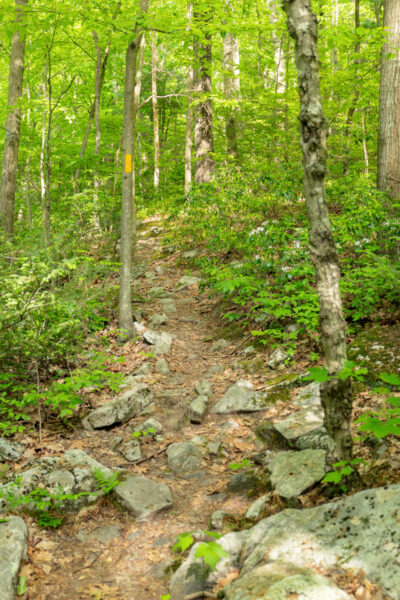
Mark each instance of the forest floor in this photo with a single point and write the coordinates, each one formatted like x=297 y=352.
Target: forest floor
x=102 y=553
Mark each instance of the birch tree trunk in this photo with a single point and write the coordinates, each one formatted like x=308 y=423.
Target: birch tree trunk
x=356 y=95
x=389 y=104
x=336 y=394
x=133 y=74
x=203 y=132
x=231 y=86
x=13 y=125
x=155 y=112
x=189 y=118
x=98 y=86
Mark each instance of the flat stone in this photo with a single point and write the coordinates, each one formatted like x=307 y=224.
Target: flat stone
x=219 y=345
x=157 y=320
x=216 y=369
x=183 y=458
x=13 y=550
x=241 y=398
x=309 y=396
x=143 y=497
x=318 y=439
x=104 y=534
x=149 y=424
x=277 y=358
x=161 y=341
x=142 y=370
x=162 y=366
x=242 y=482
x=249 y=350
x=122 y=408
x=10 y=450
x=190 y=254
x=131 y=451
x=168 y=305
x=204 y=388
x=308 y=419
x=160 y=270
x=197 y=409
x=254 y=511
x=115 y=442
x=187 y=281
x=294 y=472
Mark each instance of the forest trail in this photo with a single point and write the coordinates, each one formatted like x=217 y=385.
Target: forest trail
x=128 y=562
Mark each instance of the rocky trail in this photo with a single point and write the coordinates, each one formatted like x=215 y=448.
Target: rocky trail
x=195 y=402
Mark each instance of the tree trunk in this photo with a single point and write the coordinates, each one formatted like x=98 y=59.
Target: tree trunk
x=13 y=125
x=189 y=118
x=98 y=86
x=155 y=112
x=336 y=394
x=203 y=133
x=356 y=96
x=389 y=104
x=231 y=86
x=131 y=102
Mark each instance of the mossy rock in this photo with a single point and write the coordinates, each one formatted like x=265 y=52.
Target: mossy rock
x=378 y=349
x=253 y=365
x=267 y=434
x=286 y=380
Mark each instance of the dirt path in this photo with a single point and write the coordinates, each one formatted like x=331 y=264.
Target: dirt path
x=129 y=559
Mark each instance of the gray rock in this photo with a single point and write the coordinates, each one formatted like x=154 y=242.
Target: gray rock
x=309 y=396
x=150 y=424
x=187 y=281
x=162 y=366
x=10 y=450
x=168 y=305
x=219 y=345
x=140 y=328
x=241 y=398
x=144 y=369
x=61 y=480
x=131 y=451
x=138 y=270
x=149 y=275
x=216 y=369
x=122 y=408
x=161 y=341
x=183 y=458
x=242 y=482
x=104 y=534
x=13 y=549
x=160 y=270
x=249 y=350
x=318 y=439
x=280 y=580
x=143 y=497
x=254 y=511
x=157 y=320
x=204 y=388
x=217 y=519
x=158 y=292
x=190 y=254
x=115 y=442
x=197 y=409
x=79 y=458
x=277 y=358
x=294 y=472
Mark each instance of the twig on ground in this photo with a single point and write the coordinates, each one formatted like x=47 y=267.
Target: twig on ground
x=200 y=595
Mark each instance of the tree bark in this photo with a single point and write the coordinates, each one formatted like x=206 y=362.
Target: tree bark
x=203 y=133
x=13 y=124
x=389 y=104
x=133 y=74
x=336 y=394
x=231 y=85
x=356 y=95
x=189 y=118
x=155 y=112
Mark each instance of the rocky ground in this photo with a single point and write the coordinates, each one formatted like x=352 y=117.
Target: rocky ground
x=190 y=410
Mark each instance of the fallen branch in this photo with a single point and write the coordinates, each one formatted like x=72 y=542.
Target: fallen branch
x=200 y=595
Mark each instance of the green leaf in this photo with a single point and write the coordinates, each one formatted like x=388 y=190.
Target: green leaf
x=332 y=477
x=390 y=378
x=184 y=541
x=21 y=588
x=211 y=552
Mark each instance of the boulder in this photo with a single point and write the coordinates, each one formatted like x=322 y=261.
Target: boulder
x=120 y=409
x=277 y=358
x=187 y=281
x=161 y=341
x=10 y=450
x=294 y=472
x=219 y=345
x=13 y=550
x=149 y=424
x=162 y=366
x=168 y=305
x=197 y=409
x=204 y=388
x=131 y=450
x=254 y=511
x=157 y=320
x=183 y=458
x=241 y=398
x=143 y=497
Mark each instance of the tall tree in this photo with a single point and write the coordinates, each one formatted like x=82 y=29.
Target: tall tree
x=203 y=131
x=13 y=124
x=189 y=116
x=389 y=103
x=133 y=77
x=231 y=83
x=336 y=394
x=156 y=178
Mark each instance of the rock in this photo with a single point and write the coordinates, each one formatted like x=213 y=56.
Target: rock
x=150 y=424
x=64 y=480
x=149 y=275
x=183 y=458
x=217 y=519
x=294 y=472
x=267 y=433
x=157 y=320
x=204 y=388
x=252 y=366
x=241 y=398
x=242 y=482
x=219 y=345
x=277 y=358
x=161 y=341
x=13 y=550
x=122 y=408
x=216 y=369
x=162 y=366
x=355 y=532
x=143 y=497
x=187 y=281
x=318 y=439
x=249 y=350
x=142 y=370
x=131 y=451
x=168 y=305
x=160 y=270
x=115 y=442
x=190 y=254
x=189 y=319
x=104 y=534
x=309 y=396
x=281 y=580
x=79 y=458
x=138 y=270
x=254 y=511
x=264 y=457
x=10 y=450
x=158 y=292
x=140 y=328
x=197 y=409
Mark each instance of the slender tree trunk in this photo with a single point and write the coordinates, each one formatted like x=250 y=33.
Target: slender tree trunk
x=13 y=124
x=203 y=134
x=389 y=104
x=356 y=95
x=117 y=168
x=336 y=394
x=98 y=86
x=231 y=85
x=131 y=103
x=189 y=118
x=377 y=12
x=155 y=112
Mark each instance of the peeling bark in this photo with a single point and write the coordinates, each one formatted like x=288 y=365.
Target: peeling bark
x=336 y=394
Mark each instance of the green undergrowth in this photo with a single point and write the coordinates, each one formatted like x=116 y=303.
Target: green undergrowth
x=252 y=236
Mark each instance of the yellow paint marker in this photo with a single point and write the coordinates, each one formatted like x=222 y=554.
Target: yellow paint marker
x=128 y=163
